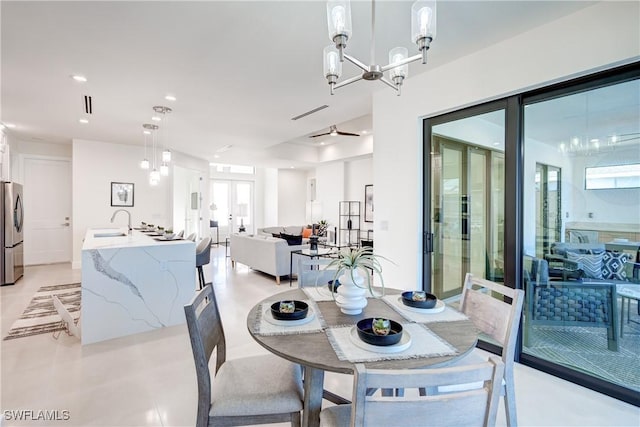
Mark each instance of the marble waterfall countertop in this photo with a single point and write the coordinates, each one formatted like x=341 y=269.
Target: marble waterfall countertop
x=133 y=283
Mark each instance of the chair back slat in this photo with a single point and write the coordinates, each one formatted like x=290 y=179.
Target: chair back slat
x=477 y=407
x=494 y=316
x=207 y=335
x=312 y=272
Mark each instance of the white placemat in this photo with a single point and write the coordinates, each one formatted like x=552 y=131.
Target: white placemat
x=448 y=315
x=264 y=327
x=318 y=293
x=424 y=343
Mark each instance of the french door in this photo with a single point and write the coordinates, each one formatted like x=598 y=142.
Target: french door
x=232 y=205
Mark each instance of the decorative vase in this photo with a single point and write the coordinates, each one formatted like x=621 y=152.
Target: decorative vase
x=351 y=294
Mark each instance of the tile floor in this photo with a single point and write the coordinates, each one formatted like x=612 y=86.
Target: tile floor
x=149 y=379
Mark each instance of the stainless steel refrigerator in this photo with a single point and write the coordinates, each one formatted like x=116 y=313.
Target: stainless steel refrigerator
x=11 y=238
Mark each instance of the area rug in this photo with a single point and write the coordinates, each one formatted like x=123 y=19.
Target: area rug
x=41 y=317
x=585 y=349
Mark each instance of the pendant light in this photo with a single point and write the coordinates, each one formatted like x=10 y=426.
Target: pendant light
x=148 y=128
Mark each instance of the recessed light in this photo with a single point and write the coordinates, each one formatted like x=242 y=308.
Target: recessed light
x=322 y=143
x=364 y=132
x=170 y=98
x=156 y=118
x=495 y=144
x=216 y=156
x=83 y=121
x=79 y=78
x=292 y=167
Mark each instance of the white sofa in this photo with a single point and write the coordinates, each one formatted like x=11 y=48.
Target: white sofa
x=294 y=230
x=268 y=254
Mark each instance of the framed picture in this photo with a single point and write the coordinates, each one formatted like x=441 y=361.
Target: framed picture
x=368 y=203
x=122 y=194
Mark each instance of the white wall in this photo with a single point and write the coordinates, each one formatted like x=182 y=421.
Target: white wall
x=96 y=164
x=620 y=206
x=593 y=38
x=330 y=184
x=292 y=194
x=359 y=173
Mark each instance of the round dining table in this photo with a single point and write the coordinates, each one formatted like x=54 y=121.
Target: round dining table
x=315 y=352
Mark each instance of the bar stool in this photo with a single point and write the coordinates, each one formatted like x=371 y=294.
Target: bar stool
x=203 y=256
x=192 y=237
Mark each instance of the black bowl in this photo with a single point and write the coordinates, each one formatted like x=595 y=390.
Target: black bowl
x=302 y=309
x=331 y=286
x=366 y=333
x=430 y=302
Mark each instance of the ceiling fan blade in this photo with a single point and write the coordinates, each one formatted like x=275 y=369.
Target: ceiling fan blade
x=320 y=134
x=347 y=133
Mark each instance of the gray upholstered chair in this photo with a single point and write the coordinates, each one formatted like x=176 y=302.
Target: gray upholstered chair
x=477 y=407
x=203 y=256
x=483 y=301
x=250 y=390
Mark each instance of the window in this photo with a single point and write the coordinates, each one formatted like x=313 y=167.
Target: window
x=218 y=167
x=611 y=177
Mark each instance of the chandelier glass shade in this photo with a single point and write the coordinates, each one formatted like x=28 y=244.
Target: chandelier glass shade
x=423 y=31
x=159 y=164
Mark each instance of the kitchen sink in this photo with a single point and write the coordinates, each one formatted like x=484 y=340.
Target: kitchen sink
x=110 y=234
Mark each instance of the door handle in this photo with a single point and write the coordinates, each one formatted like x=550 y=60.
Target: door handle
x=66 y=224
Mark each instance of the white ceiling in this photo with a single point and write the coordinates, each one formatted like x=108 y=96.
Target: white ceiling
x=240 y=70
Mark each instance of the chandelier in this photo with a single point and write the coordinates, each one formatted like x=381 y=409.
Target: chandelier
x=423 y=31
x=161 y=167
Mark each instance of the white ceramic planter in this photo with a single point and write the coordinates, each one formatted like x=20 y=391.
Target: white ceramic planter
x=351 y=295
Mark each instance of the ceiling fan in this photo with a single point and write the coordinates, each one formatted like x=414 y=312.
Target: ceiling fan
x=333 y=131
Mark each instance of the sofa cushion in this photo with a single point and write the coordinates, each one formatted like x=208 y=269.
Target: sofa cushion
x=613 y=265
x=293 y=229
x=591 y=264
x=292 y=239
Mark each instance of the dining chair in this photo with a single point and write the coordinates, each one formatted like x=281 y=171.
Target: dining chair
x=203 y=256
x=251 y=390
x=485 y=303
x=312 y=272
x=477 y=407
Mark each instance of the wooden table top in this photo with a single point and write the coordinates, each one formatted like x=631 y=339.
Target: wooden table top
x=314 y=349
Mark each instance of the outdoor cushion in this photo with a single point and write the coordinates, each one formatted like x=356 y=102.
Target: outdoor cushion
x=613 y=265
x=591 y=264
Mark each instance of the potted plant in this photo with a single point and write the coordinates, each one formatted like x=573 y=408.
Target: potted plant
x=349 y=265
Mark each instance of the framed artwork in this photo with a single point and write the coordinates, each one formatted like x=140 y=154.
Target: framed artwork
x=368 y=203
x=122 y=194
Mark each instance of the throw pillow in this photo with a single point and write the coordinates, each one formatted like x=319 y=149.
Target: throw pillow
x=291 y=239
x=306 y=233
x=613 y=265
x=591 y=264
x=275 y=234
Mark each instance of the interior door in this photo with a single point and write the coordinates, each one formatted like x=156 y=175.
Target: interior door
x=47 y=210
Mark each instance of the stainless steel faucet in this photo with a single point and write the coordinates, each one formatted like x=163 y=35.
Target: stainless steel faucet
x=128 y=213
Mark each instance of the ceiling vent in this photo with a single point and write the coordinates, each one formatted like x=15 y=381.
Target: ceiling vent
x=315 y=110
x=86 y=104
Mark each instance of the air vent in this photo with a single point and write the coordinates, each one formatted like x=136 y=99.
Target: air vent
x=315 y=110
x=86 y=104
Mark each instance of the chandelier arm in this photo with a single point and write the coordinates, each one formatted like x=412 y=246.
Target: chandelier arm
x=356 y=62
x=388 y=83
x=400 y=63
x=347 y=82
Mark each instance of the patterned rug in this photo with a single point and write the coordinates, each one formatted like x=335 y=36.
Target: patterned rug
x=40 y=317
x=585 y=349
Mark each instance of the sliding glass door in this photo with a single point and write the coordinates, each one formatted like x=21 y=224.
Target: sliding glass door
x=466 y=201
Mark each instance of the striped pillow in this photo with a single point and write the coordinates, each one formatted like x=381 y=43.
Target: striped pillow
x=590 y=264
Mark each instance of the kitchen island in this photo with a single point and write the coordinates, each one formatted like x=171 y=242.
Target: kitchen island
x=133 y=283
